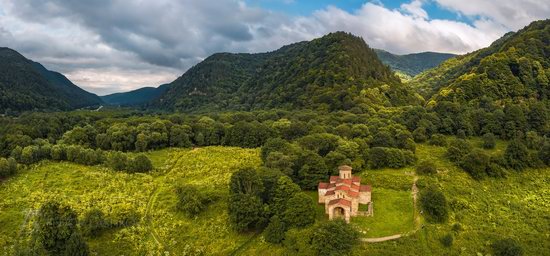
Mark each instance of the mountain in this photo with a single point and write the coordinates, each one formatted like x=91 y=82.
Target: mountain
x=514 y=68
x=412 y=64
x=334 y=72
x=27 y=85
x=135 y=97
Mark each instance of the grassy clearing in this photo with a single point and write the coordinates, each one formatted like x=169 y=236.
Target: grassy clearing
x=393 y=214
x=515 y=207
x=160 y=229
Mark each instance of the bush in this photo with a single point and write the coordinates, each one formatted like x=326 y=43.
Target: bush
x=93 y=223
x=544 y=154
x=489 y=141
x=76 y=246
x=438 y=140
x=245 y=212
x=420 y=135
x=117 y=160
x=191 y=200
x=516 y=155
x=434 y=205
x=8 y=167
x=458 y=149
x=426 y=168
x=59 y=153
x=533 y=140
x=447 y=240
x=506 y=247
x=140 y=163
x=246 y=181
x=380 y=157
x=275 y=231
x=476 y=163
x=300 y=211
x=334 y=237
x=57 y=231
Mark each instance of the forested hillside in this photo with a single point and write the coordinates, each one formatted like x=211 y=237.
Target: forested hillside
x=27 y=85
x=513 y=68
x=336 y=72
x=414 y=63
x=135 y=97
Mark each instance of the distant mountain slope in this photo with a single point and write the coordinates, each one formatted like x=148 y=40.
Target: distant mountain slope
x=337 y=71
x=27 y=85
x=412 y=64
x=136 y=97
x=515 y=67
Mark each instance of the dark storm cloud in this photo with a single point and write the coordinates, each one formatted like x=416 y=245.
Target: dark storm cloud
x=159 y=32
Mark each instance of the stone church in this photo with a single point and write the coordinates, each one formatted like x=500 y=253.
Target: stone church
x=343 y=195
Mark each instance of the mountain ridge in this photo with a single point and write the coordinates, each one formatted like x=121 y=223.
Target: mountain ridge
x=28 y=85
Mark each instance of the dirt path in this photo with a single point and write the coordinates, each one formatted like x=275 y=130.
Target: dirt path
x=381 y=239
x=416 y=217
x=151 y=207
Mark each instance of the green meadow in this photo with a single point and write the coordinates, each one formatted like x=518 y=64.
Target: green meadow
x=480 y=211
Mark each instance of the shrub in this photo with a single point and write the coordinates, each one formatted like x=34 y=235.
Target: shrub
x=275 y=231
x=458 y=149
x=489 y=141
x=117 y=160
x=8 y=167
x=426 y=168
x=438 y=140
x=300 y=211
x=506 y=247
x=245 y=211
x=334 y=237
x=191 y=200
x=57 y=231
x=434 y=204
x=246 y=181
x=533 y=140
x=76 y=246
x=59 y=153
x=544 y=153
x=447 y=240
x=516 y=155
x=140 y=163
x=420 y=135
x=476 y=163
x=93 y=223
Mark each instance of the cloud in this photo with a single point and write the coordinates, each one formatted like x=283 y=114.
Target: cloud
x=415 y=8
x=513 y=14
x=116 y=45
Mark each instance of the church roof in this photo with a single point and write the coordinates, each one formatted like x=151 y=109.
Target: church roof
x=365 y=188
x=341 y=201
x=323 y=185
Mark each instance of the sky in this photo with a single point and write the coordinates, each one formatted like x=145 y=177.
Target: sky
x=107 y=46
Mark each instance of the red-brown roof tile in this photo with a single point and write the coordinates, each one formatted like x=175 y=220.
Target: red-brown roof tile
x=365 y=188
x=342 y=187
x=334 y=178
x=323 y=185
x=356 y=179
x=353 y=194
x=341 y=201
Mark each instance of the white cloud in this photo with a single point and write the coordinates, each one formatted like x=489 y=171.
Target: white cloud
x=415 y=8
x=514 y=14
x=112 y=46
